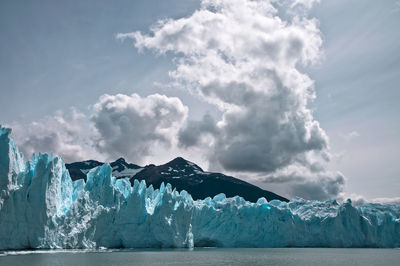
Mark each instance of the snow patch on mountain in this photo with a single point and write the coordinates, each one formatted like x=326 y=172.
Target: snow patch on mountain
x=127 y=172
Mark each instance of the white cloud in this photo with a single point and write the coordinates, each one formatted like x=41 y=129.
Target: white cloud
x=243 y=57
x=349 y=136
x=120 y=125
x=134 y=126
x=65 y=134
x=392 y=201
x=307 y=178
x=306 y=3
x=358 y=200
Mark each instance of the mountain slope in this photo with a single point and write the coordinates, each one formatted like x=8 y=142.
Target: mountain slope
x=79 y=170
x=120 y=167
x=182 y=175
x=185 y=175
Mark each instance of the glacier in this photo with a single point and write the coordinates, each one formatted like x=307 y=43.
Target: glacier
x=41 y=208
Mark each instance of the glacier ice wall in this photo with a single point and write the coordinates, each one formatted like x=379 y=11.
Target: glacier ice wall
x=40 y=207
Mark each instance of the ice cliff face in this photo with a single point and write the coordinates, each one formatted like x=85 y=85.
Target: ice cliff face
x=40 y=207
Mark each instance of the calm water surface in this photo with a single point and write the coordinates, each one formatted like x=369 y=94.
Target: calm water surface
x=204 y=256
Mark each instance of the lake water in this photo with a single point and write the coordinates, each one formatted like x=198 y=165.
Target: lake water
x=207 y=256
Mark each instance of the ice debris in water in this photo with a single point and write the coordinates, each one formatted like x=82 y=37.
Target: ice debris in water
x=40 y=207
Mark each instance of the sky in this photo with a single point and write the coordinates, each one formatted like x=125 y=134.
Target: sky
x=297 y=96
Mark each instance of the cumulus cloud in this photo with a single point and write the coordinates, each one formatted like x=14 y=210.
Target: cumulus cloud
x=306 y=3
x=243 y=57
x=119 y=125
x=64 y=134
x=359 y=200
x=189 y=136
x=308 y=181
x=391 y=201
x=132 y=126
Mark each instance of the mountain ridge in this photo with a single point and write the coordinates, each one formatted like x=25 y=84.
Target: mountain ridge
x=182 y=175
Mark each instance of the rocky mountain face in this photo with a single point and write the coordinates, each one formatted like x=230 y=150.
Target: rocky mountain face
x=182 y=175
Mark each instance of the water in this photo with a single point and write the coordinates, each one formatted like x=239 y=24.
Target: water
x=205 y=256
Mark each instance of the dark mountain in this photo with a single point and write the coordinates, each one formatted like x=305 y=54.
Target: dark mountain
x=185 y=175
x=120 y=168
x=79 y=170
x=121 y=165
x=181 y=174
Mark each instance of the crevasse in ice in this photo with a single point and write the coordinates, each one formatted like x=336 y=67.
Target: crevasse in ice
x=40 y=207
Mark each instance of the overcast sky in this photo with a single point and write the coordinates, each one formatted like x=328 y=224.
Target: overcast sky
x=299 y=97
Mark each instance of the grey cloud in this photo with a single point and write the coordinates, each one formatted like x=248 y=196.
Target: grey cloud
x=120 y=125
x=64 y=134
x=243 y=57
x=321 y=189
x=359 y=200
x=391 y=201
x=42 y=143
x=269 y=135
x=193 y=132
x=133 y=126
x=317 y=186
